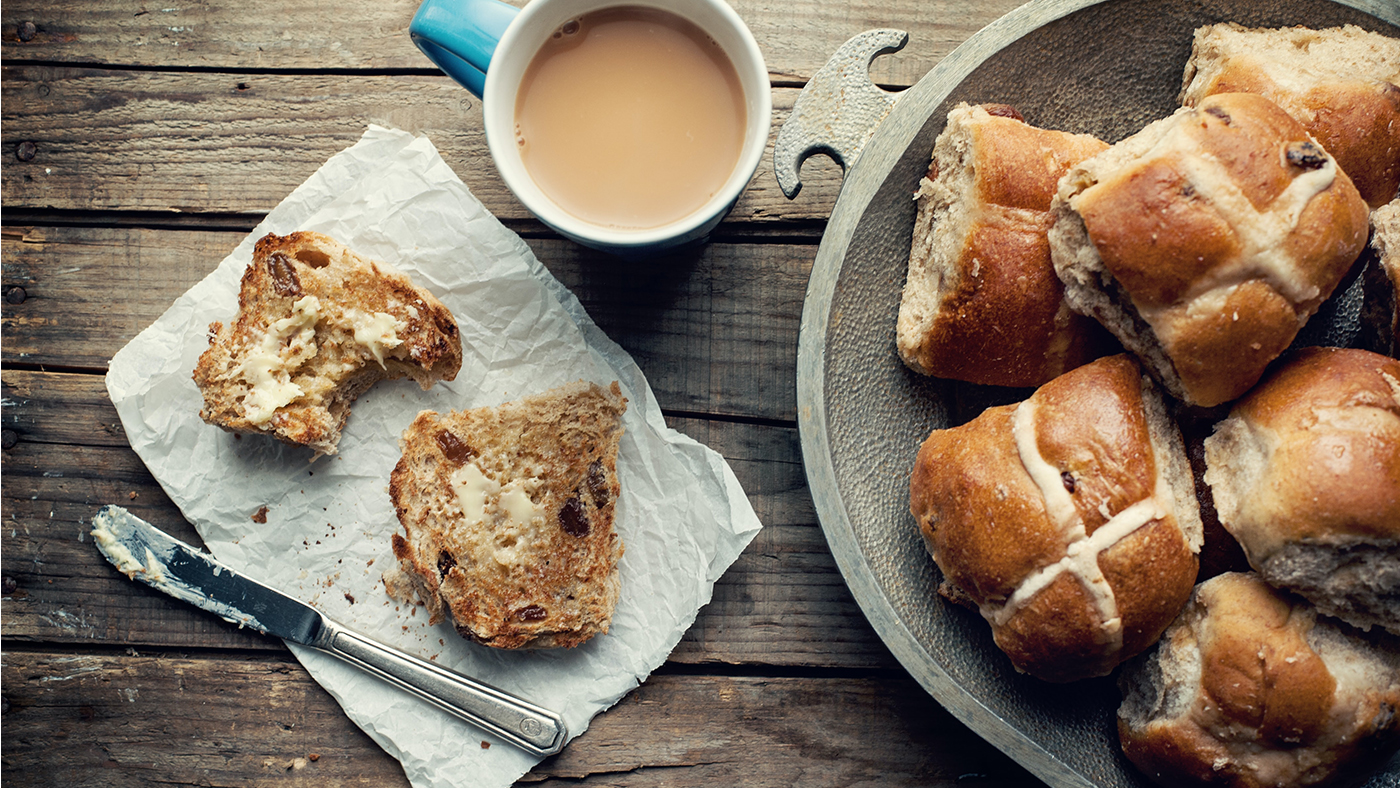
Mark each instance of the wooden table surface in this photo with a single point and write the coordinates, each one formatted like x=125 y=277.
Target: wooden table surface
x=141 y=142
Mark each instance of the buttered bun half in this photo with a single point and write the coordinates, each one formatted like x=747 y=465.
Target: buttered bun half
x=1205 y=241
x=1305 y=473
x=1069 y=520
x=1251 y=688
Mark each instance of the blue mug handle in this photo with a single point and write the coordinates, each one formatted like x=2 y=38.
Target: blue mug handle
x=460 y=36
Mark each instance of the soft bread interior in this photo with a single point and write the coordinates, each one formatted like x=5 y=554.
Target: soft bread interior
x=1089 y=288
x=1294 y=58
x=1173 y=465
x=1161 y=683
x=940 y=228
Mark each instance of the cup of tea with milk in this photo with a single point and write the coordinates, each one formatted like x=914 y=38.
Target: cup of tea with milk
x=630 y=126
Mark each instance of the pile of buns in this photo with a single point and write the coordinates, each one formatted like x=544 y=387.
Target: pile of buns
x=507 y=511
x=1072 y=520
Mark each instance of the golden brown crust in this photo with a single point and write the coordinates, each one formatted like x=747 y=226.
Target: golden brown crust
x=1206 y=241
x=1248 y=689
x=508 y=517
x=1340 y=83
x=326 y=299
x=1306 y=475
x=1000 y=499
x=981 y=302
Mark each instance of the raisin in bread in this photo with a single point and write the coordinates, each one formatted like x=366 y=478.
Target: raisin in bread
x=508 y=517
x=1341 y=83
x=1207 y=240
x=317 y=325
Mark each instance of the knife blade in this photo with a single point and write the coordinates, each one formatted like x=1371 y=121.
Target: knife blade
x=145 y=553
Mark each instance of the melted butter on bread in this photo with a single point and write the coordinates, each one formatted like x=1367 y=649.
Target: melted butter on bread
x=496 y=516
x=377 y=332
x=280 y=350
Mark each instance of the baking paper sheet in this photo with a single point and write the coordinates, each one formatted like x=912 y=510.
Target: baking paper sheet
x=682 y=515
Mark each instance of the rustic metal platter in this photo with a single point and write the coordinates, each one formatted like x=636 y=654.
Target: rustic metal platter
x=1106 y=68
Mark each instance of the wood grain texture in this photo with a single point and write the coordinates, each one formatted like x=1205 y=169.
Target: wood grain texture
x=783 y=602
x=714 y=331
x=123 y=720
x=141 y=142
x=795 y=36
x=197 y=142
x=134 y=720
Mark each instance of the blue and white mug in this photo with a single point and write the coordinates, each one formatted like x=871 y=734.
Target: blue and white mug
x=486 y=46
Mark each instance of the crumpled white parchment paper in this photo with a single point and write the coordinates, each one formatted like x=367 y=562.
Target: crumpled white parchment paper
x=682 y=515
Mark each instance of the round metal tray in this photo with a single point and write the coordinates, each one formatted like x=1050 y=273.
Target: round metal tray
x=1106 y=68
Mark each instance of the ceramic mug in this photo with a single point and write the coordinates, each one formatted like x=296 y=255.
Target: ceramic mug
x=487 y=45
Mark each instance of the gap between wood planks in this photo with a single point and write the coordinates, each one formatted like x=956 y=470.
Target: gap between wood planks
x=792 y=232
x=279 y=654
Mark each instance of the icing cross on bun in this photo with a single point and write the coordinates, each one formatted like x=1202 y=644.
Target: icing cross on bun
x=1069 y=520
x=1207 y=240
x=1251 y=688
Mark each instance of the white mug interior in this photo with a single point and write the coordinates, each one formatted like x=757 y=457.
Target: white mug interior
x=524 y=37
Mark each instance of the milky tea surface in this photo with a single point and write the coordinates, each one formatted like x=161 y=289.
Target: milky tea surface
x=630 y=117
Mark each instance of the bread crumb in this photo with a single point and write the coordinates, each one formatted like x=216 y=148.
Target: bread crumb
x=486 y=745
x=260 y=516
x=313 y=757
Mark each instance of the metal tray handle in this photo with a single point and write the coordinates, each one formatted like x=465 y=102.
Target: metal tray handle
x=838 y=110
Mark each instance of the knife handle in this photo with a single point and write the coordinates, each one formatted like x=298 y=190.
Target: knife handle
x=524 y=724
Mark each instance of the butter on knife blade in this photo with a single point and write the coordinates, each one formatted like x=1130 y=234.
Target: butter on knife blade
x=145 y=553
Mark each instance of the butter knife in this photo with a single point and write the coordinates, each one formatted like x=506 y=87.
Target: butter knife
x=145 y=553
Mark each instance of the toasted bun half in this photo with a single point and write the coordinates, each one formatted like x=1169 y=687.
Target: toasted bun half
x=508 y=517
x=317 y=326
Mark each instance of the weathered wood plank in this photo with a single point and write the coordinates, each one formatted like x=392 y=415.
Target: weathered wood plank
x=202 y=142
x=782 y=603
x=58 y=587
x=57 y=407
x=714 y=331
x=121 y=720
x=101 y=720
x=795 y=36
x=86 y=293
